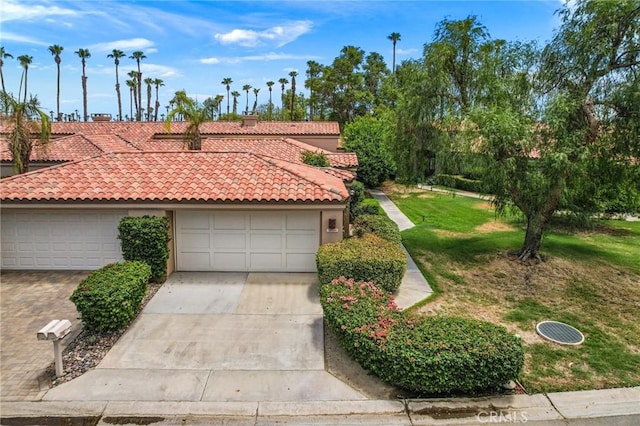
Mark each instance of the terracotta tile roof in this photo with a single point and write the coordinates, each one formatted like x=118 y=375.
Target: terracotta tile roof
x=286 y=149
x=143 y=130
x=194 y=176
x=71 y=148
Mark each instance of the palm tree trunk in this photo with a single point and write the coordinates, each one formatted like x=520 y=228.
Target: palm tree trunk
x=155 y=117
x=84 y=96
x=118 y=94
x=58 y=94
x=26 y=75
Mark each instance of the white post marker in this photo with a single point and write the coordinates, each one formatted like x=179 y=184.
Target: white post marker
x=55 y=331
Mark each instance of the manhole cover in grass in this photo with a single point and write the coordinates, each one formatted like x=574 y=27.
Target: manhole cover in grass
x=559 y=332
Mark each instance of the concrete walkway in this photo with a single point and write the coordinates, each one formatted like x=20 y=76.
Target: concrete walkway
x=414 y=287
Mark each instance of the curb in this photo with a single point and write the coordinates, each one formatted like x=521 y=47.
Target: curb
x=618 y=407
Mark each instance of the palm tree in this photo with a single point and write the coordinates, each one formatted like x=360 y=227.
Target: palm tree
x=20 y=116
x=84 y=54
x=227 y=83
x=138 y=56
x=56 y=50
x=283 y=81
x=131 y=84
x=293 y=76
x=3 y=55
x=157 y=82
x=116 y=55
x=270 y=86
x=149 y=82
x=219 y=99
x=254 y=110
x=246 y=88
x=394 y=37
x=25 y=60
x=235 y=95
x=193 y=113
x=133 y=75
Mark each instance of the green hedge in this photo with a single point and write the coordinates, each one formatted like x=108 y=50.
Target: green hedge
x=459 y=182
x=366 y=258
x=426 y=355
x=316 y=159
x=146 y=239
x=109 y=298
x=379 y=225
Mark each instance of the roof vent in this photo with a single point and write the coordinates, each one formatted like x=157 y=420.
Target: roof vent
x=249 y=120
x=560 y=333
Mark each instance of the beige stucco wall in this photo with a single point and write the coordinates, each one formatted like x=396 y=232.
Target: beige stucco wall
x=330 y=142
x=327 y=235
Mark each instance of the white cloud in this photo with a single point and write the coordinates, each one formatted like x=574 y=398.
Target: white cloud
x=20 y=38
x=14 y=11
x=271 y=56
x=129 y=45
x=278 y=35
x=406 y=51
x=157 y=71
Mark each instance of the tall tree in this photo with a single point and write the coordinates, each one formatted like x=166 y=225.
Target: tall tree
x=246 y=88
x=235 y=95
x=25 y=61
x=270 y=86
x=3 y=55
x=313 y=83
x=293 y=75
x=132 y=84
x=254 y=110
x=283 y=82
x=149 y=82
x=394 y=37
x=56 y=50
x=157 y=82
x=20 y=116
x=139 y=56
x=193 y=113
x=219 y=98
x=226 y=82
x=84 y=54
x=116 y=55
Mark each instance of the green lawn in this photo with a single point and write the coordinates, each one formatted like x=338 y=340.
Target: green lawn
x=589 y=279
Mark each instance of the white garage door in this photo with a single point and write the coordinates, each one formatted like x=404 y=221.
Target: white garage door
x=41 y=239
x=239 y=241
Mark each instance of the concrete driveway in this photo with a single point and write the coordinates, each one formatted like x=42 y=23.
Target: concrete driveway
x=219 y=337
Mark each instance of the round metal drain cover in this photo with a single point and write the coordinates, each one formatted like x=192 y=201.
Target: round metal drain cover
x=559 y=332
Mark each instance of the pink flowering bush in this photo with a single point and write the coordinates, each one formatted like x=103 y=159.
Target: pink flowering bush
x=426 y=355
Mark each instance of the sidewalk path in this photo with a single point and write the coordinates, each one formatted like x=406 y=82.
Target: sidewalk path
x=414 y=287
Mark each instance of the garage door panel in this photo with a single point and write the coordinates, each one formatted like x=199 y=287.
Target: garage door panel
x=225 y=261
x=47 y=239
x=196 y=241
x=300 y=262
x=302 y=222
x=230 y=241
x=266 y=222
x=301 y=241
x=266 y=261
x=271 y=242
x=193 y=220
x=226 y=221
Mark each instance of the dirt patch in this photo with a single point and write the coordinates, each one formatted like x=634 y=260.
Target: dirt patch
x=494 y=226
x=449 y=234
x=427 y=195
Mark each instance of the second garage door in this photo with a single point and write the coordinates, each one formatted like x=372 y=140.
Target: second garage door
x=240 y=241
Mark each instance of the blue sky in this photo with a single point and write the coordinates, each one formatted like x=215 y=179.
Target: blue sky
x=193 y=45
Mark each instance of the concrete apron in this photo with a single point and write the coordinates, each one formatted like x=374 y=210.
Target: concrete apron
x=219 y=337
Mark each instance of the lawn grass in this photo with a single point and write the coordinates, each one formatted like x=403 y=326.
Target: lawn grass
x=589 y=279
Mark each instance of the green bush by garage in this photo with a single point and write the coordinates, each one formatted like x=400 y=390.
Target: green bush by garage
x=366 y=258
x=146 y=239
x=109 y=298
x=379 y=225
x=425 y=355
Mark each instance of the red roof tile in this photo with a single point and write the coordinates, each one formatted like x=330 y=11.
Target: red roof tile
x=174 y=177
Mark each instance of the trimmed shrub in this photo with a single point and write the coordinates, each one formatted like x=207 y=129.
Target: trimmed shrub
x=109 y=298
x=316 y=159
x=368 y=258
x=359 y=210
x=146 y=239
x=425 y=355
x=379 y=225
x=459 y=182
